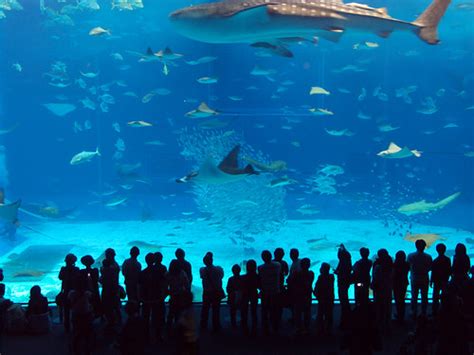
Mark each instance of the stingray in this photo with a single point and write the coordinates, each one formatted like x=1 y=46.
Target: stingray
x=257 y=21
x=227 y=171
x=395 y=152
x=429 y=238
x=60 y=109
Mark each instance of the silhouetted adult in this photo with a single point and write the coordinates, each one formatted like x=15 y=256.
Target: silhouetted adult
x=420 y=265
x=250 y=284
x=278 y=256
x=187 y=333
x=295 y=262
x=133 y=335
x=453 y=333
x=90 y=275
x=234 y=293
x=184 y=265
x=302 y=284
x=110 y=288
x=461 y=266
x=440 y=273
x=362 y=337
x=382 y=287
x=68 y=276
x=361 y=276
x=344 y=272
x=178 y=284
x=212 y=292
x=131 y=268
x=324 y=293
x=152 y=293
x=82 y=315
x=5 y=303
x=269 y=273
x=400 y=284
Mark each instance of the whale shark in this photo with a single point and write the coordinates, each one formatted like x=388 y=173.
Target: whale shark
x=227 y=171
x=425 y=207
x=258 y=21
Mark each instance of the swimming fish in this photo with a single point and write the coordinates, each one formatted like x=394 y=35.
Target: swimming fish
x=252 y=21
x=98 y=31
x=425 y=207
x=321 y=112
x=283 y=181
x=84 y=157
x=395 y=152
x=207 y=80
x=316 y=90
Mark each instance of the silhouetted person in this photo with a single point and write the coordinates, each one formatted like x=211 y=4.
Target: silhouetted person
x=343 y=272
x=234 y=293
x=250 y=284
x=269 y=273
x=295 y=262
x=133 y=335
x=152 y=292
x=440 y=273
x=37 y=304
x=82 y=315
x=361 y=276
x=90 y=275
x=131 y=268
x=453 y=337
x=212 y=292
x=5 y=303
x=302 y=284
x=420 y=265
x=278 y=255
x=284 y=297
x=178 y=284
x=184 y=265
x=110 y=288
x=324 y=293
x=68 y=276
x=187 y=332
x=461 y=266
x=362 y=337
x=382 y=287
x=400 y=283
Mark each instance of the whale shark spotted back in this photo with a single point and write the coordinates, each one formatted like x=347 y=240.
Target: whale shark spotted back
x=257 y=21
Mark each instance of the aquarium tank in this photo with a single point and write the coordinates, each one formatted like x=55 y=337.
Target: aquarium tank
x=231 y=127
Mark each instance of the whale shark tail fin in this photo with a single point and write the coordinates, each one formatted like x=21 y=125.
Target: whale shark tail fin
x=428 y=21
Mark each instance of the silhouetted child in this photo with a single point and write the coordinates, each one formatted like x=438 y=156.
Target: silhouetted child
x=133 y=335
x=440 y=272
x=324 y=293
x=82 y=315
x=234 y=293
x=37 y=304
x=250 y=283
x=4 y=305
x=400 y=283
x=302 y=284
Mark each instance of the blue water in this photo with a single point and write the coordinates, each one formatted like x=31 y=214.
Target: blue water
x=39 y=150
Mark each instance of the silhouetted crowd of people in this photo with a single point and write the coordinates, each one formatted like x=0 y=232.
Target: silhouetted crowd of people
x=93 y=293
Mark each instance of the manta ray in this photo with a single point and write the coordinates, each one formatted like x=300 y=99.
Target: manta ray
x=227 y=171
x=395 y=152
x=270 y=21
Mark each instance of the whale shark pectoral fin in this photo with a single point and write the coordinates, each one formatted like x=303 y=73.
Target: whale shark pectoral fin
x=230 y=162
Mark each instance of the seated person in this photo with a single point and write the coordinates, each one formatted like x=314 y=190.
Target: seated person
x=37 y=311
